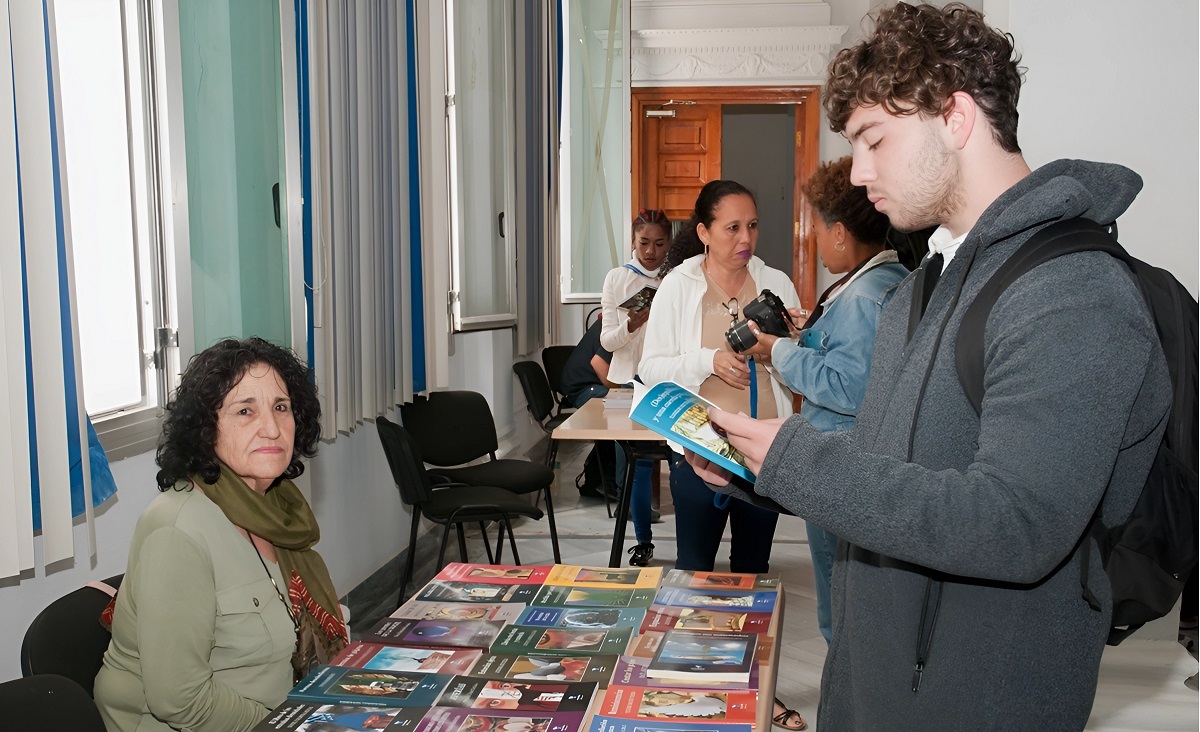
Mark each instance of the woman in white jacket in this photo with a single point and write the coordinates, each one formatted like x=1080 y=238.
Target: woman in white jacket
x=713 y=273
x=621 y=334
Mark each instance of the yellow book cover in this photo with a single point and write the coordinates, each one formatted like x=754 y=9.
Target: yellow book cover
x=618 y=578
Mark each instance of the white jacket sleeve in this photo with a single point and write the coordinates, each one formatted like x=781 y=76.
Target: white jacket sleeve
x=672 y=351
x=613 y=333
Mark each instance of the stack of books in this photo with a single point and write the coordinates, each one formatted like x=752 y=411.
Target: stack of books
x=485 y=648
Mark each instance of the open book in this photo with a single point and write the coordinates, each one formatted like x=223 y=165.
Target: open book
x=681 y=416
x=639 y=300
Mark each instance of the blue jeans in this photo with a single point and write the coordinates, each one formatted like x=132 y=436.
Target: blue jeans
x=699 y=525
x=595 y=390
x=639 y=496
x=823 y=546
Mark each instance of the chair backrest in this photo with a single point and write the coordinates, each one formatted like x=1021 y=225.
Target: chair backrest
x=592 y=316
x=554 y=359
x=48 y=701
x=67 y=639
x=404 y=458
x=537 y=390
x=451 y=427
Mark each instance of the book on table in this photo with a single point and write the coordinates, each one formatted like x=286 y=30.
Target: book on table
x=525 y=696
x=480 y=592
x=681 y=416
x=451 y=610
x=618 y=397
x=613 y=578
x=709 y=656
x=493 y=574
x=632 y=671
x=597 y=668
x=454 y=719
x=564 y=596
x=701 y=706
x=435 y=633
x=748 y=600
x=662 y=618
x=536 y=641
x=373 y=687
x=582 y=617
x=644 y=648
x=300 y=716
x=617 y=724
x=639 y=300
x=452 y=661
x=719 y=580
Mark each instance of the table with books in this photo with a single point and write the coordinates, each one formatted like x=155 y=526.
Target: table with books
x=596 y=421
x=561 y=648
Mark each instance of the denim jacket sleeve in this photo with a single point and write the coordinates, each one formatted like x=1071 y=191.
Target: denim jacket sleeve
x=830 y=364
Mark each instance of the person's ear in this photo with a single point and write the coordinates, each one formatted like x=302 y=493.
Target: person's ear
x=960 y=119
x=702 y=232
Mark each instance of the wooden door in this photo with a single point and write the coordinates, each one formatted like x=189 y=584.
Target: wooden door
x=673 y=157
x=680 y=154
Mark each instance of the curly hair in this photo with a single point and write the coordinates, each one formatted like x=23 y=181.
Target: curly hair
x=686 y=243
x=189 y=436
x=917 y=57
x=834 y=198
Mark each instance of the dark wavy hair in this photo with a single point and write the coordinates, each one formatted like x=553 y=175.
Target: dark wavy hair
x=189 y=436
x=834 y=198
x=917 y=57
x=686 y=243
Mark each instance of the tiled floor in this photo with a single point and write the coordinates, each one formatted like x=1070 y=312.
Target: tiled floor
x=1141 y=681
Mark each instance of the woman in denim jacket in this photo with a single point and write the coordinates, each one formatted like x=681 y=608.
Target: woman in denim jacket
x=829 y=362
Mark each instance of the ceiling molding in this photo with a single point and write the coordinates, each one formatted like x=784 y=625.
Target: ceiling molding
x=744 y=56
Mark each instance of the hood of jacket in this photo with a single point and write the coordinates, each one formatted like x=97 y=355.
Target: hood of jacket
x=1062 y=189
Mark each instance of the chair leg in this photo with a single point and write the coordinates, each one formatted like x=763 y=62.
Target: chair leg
x=412 y=550
x=442 y=549
x=500 y=538
x=553 y=528
x=512 y=540
x=462 y=543
x=487 y=545
x=552 y=455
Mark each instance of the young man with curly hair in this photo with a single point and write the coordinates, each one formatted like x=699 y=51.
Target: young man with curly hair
x=956 y=592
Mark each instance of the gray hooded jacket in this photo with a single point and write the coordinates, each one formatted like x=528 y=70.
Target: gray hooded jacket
x=993 y=507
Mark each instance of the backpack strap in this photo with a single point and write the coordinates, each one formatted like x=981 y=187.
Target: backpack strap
x=1062 y=237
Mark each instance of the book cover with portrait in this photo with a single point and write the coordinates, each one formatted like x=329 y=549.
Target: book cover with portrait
x=691 y=705
x=453 y=610
x=596 y=668
x=493 y=574
x=662 y=618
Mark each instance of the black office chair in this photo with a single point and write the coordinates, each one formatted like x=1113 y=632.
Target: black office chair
x=447 y=504
x=67 y=639
x=48 y=701
x=455 y=428
x=554 y=360
x=540 y=403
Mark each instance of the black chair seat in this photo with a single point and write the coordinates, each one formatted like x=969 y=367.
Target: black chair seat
x=67 y=639
x=48 y=701
x=476 y=503
x=517 y=476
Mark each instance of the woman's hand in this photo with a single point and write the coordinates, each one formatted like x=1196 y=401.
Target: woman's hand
x=637 y=318
x=730 y=368
x=763 y=344
x=751 y=437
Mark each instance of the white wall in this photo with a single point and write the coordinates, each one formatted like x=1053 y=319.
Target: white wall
x=1116 y=81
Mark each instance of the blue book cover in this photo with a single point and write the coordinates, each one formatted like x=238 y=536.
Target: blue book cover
x=582 y=617
x=682 y=417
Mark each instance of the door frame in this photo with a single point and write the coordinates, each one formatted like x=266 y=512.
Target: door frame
x=806 y=150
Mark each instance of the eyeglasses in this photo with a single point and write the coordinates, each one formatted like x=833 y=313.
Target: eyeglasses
x=731 y=307
x=651 y=216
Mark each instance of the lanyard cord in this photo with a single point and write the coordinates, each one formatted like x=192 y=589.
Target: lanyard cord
x=721 y=500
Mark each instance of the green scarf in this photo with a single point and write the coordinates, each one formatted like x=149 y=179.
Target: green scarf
x=284 y=518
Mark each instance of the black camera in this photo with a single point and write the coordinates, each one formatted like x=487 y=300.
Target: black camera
x=768 y=312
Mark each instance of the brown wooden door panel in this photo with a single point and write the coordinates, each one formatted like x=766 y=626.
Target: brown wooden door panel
x=673 y=157
x=681 y=154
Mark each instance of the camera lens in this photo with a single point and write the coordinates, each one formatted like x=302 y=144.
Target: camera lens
x=740 y=337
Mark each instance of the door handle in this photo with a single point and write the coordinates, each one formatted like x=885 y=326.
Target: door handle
x=500 y=224
x=275 y=198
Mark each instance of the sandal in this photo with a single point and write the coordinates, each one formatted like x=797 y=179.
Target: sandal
x=788 y=719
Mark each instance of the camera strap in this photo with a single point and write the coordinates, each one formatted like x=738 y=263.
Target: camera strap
x=721 y=500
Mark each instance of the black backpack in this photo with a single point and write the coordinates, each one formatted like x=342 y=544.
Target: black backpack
x=598 y=476
x=1149 y=557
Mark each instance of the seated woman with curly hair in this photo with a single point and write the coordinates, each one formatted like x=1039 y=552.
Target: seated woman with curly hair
x=224 y=604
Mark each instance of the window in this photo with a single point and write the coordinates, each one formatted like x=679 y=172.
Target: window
x=113 y=194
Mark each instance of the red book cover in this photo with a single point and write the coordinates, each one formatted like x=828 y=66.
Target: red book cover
x=493 y=574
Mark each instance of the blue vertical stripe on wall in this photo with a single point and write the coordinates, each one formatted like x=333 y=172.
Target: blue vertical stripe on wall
x=305 y=171
x=417 y=290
